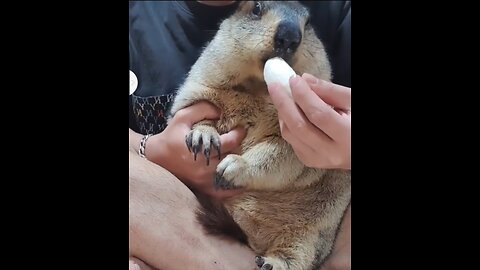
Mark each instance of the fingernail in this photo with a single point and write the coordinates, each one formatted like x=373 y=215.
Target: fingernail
x=294 y=80
x=310 y=78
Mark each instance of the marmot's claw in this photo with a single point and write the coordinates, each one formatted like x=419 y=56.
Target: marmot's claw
x=206 y=136
x=267 y=266
x=221 y=183
x=266 y=263
x=217 y=146
x=259 y=260
x=196 y=149
x=206 y=152
x=188 y=141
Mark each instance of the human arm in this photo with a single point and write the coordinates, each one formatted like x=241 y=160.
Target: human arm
x=319 y=134
x=168 y=149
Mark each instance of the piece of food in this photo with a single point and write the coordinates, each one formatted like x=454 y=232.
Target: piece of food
x=277 y=70
x=133 y=82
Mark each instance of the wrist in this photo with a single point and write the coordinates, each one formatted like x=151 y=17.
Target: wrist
x=156 y=149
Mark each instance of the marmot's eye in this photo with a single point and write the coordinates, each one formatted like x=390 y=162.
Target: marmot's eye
x=257 y=10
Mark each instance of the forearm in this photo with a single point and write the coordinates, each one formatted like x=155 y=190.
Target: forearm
x=169 y=237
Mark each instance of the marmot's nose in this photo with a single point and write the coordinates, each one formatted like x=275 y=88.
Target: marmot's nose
x=288 y=37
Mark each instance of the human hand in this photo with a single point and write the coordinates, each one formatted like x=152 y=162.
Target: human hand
x=316 y=121
x=169 y=150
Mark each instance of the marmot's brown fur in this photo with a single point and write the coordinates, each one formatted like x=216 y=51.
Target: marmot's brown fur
x=289 y=213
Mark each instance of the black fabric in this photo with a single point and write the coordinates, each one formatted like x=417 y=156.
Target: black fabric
x=332 y=23
x=167 y=37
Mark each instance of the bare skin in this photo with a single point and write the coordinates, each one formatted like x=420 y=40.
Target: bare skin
x=168 y=149
x=157 y=196
x=316 y=121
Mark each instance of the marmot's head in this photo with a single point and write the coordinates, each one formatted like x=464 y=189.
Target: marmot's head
x=264 y=29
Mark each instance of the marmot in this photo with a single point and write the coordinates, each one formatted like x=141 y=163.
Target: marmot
x=289 y=213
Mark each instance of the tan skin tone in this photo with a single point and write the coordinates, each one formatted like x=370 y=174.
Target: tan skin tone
x=159 y=195
x=319 y=134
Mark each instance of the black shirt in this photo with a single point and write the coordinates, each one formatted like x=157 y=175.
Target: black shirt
x=167 y=37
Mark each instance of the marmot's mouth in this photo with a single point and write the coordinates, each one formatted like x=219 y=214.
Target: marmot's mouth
x=288 y=57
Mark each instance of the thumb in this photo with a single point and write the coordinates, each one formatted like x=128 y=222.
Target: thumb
x=197 y=112
x=231 y=140
x=333 y=94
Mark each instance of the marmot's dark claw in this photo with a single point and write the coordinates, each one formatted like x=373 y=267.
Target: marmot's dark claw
x=206 y=152
x=216 y=144
x=259 y=260
x=220 y=182
x=188 y=141
x=196 y=148
x=204 y=138
x=267 y=266
x=218 y=152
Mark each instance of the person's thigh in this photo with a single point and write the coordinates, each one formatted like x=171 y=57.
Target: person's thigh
x=163 y=229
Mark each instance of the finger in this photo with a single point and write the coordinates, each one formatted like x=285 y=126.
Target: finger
x=202 y=169
x=296 y=143
x=207 y=172
x=232 y=140
x=282 y=101
x=294 y=118
x=306 y=154
x=196 y=113
x=200 y=162
x=335 y=95
x=316 y=110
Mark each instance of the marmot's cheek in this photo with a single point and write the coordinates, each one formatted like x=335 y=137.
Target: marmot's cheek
x=277 y=70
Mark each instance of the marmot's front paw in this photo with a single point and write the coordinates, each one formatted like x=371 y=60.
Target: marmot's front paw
x=266 y=263
x=230 y=172
x=206 y=135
